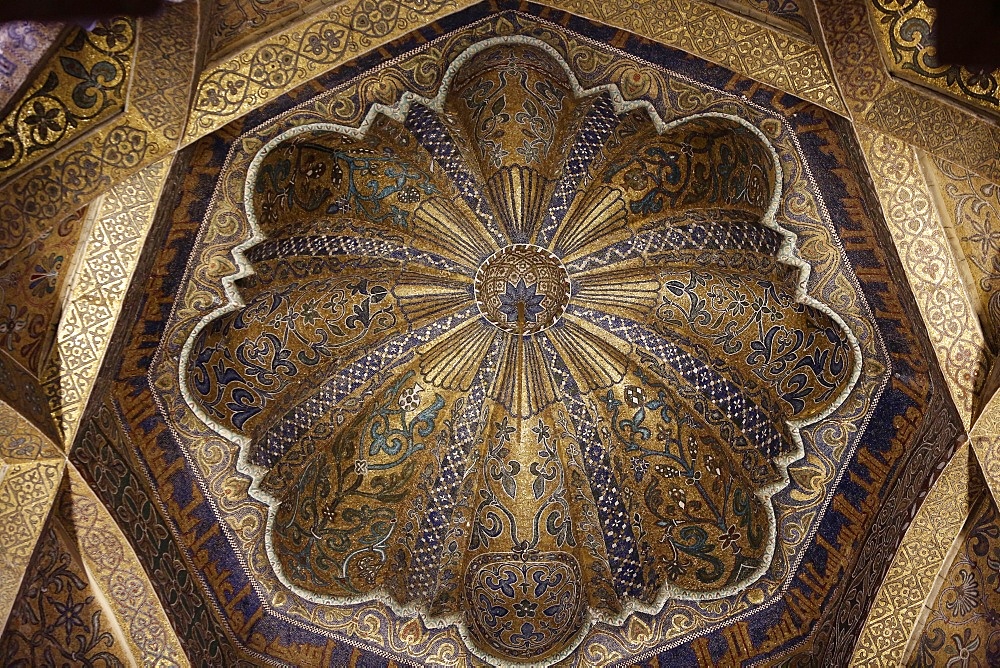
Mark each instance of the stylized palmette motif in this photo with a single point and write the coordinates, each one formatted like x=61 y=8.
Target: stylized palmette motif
x=519 y=358
x=87 y=85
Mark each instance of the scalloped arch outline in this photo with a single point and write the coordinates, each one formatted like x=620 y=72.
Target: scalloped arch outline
x=398 y=112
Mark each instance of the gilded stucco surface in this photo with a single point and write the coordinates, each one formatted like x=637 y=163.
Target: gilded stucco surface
x=149 y=128
x=122 y=218
x=175 y=577
x=58 y=617
x=83 y=84
x=972 y=203
x=921 y=556
x=933 y=165
x=114 y=570
x=249 y=78
x=345 y=111
x=899 y=618
x=259 y=73
x=887 y=105
x=27 y=491
x=604 y=348
x=55 y=189
x=31 y=469
x=33 y=280
x=238 y=23
x=905 y=30
x=86 y=598
x=22 y=442
x=83 y=573
x=32 y=285
x=912 y=142
x=792 y=15
x=784 y=61
x=961 y=626
x=934 y=277
x=88 y=95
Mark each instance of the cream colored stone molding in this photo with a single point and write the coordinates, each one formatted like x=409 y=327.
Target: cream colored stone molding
x=118 y=577
x=94 y=299
x=930 y=267
x=916 y=565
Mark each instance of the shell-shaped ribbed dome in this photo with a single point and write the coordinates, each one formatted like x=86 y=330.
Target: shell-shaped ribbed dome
x=520 y=358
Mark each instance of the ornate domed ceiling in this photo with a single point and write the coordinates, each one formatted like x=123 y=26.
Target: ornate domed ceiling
x=517 y=340
x=524 y=341
x=525 y=359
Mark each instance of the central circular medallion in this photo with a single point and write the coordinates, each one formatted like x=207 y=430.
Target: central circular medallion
x=522 y=289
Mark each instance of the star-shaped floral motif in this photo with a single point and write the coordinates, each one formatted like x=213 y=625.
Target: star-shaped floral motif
x=521 y=301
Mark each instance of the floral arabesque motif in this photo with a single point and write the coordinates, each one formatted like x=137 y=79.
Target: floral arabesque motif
x=84 y=83
x=30 y=287
x=963 y=625
x=908 y=30
x=408 y=442
x=57 y=619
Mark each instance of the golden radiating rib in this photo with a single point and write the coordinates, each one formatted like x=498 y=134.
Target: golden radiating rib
x=526 y=385
x=596 y=358
x=591 y=549
x=518 y=195
x=453 y=231
x=630 y=291
x=425 y=297
x=453 y=361
x=596 y=216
